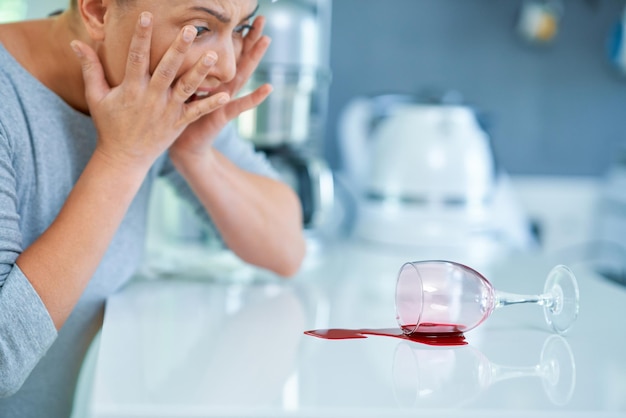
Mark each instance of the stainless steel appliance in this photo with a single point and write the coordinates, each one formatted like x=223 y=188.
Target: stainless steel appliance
x=289 y=125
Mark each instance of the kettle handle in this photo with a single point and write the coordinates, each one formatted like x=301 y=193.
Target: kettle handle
x=354 y=128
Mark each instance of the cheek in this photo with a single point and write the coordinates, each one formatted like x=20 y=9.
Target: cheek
x=188 y=63
x=237 y=49
x=114 y=57
x=159 y=48
x=114 y=51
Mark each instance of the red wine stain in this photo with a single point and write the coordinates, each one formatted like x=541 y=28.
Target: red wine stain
x=446 y=338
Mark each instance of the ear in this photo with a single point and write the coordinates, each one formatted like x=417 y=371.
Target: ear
x=92 y=13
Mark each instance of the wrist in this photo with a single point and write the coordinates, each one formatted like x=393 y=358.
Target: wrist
x=190 y=164
x=127 y=168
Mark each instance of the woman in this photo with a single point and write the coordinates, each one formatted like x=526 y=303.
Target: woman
x=79 y=153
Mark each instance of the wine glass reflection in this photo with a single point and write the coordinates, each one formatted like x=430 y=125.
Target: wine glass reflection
x=431 y=377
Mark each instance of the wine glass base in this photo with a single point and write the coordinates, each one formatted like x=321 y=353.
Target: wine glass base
x=558 y=370
x=561 y=288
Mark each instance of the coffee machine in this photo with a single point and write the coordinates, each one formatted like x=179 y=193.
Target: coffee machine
x=289 y=125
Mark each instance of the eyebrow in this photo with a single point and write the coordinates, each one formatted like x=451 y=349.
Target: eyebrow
x=219 y=16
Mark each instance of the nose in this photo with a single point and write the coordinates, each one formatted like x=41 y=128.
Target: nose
x=226 y=66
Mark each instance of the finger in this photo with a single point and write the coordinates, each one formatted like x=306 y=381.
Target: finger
x=250 y=62
x=254 y=34
x=168 y=67
x=96 y=86
x=256 y=52
x=247 y=102
x=138 y=61
x=188 y=83
x=198 y=108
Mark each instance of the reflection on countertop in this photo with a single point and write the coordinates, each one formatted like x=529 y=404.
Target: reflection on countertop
x=455 y=376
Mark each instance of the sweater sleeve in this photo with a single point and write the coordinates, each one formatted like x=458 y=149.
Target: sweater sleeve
x=26 y=329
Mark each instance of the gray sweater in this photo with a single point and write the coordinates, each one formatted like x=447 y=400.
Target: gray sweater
x=44 y=146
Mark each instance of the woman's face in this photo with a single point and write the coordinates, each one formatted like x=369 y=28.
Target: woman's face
x=221 y=26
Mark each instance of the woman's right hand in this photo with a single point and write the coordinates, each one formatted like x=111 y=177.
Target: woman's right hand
x=141 y=117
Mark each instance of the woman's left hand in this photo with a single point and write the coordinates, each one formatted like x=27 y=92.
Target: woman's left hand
x=197 y=139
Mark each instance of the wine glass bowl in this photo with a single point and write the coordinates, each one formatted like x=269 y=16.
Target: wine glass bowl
x=438 y=296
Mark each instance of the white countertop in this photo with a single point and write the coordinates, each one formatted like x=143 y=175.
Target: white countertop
x=219 y=348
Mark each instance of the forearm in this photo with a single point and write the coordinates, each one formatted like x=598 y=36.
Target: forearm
x=61 y=261
x=260 y=219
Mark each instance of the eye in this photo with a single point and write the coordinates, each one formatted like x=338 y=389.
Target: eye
x=201 y=30
x=243 y=29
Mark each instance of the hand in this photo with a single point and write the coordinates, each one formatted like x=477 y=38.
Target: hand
x=141 y=117
x=197 y=139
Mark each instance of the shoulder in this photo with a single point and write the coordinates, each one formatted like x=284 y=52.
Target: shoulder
x=9 y=83
x=9 y=102
x=13 y=96
x=12 y=117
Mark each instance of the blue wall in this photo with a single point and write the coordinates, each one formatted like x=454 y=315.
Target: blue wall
x=558 y=109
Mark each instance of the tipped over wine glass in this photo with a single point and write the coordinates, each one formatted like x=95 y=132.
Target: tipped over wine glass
x=442 y=297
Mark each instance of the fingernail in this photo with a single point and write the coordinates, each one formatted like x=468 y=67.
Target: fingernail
x=188 y=33
x=209 y=59
x=223 y=99
x=145 y=19
x=76 y=48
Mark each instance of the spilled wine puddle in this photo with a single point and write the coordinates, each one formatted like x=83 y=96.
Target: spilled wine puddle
x=438 y=339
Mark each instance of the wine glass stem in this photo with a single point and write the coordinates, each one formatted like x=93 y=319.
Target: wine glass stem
x=499 y=372
x=505 y=299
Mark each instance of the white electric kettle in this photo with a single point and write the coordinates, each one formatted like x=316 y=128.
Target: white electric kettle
x=423 y=173
x=396 y=149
